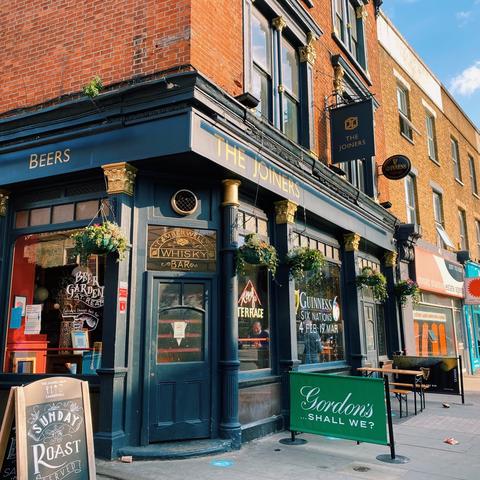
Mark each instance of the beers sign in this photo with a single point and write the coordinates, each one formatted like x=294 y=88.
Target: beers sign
x=47 y=432
x=352 y=132
x=181 y=249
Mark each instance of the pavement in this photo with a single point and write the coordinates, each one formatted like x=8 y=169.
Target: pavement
x=420 y=438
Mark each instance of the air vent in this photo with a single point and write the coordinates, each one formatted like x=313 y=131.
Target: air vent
x=184 y=202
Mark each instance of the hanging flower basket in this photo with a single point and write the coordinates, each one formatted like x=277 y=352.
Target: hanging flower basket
x=374 y=280
x=100 y=239
x=256 y=252
x=407 y=288
x=304 y=259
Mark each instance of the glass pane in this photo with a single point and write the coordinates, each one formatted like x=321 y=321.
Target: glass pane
x=169 y=295
x=262 y=227
x=193 y=295
x=86 y=210
x=180 y=335
x=290 y=119
x=318 y=318
x=63 y=213
x=39 y=216
x=261 y=91
x=21 y=219
x=250 y=225
x=253 y=319
x=261 y=41
x=62 y=298
x=289 y=68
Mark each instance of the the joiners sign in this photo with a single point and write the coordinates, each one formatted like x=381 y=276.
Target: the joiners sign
x=352 y=132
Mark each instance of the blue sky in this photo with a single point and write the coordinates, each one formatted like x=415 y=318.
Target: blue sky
x=446 y=35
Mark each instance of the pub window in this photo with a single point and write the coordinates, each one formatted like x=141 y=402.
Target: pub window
x=254 y=337
x=349 y=28
x=275 y=75
x=56 y=307
x=319 y=321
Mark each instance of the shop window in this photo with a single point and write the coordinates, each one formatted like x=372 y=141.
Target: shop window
x=39 y=216
x=254 y=337
x=329 y=251
x=319 y=321
x=86 y=210
x=56 y=308
x=21 y=219
x=63 y=213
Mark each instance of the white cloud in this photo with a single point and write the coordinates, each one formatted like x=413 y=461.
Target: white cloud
x=468 y=81
x=463 y=17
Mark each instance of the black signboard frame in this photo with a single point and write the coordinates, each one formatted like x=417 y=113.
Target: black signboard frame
x=55 y=413
x=7 y=437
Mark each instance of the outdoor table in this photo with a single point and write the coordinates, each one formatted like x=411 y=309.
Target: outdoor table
x=416 y=374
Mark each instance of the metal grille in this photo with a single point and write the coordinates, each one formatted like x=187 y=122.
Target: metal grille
x=184 y=202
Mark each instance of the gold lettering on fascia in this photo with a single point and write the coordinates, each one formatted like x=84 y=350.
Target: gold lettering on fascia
x=352 y=141
x=40 y=160
x=255 y=169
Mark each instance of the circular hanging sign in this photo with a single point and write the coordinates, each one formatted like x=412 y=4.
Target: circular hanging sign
x=396 y=167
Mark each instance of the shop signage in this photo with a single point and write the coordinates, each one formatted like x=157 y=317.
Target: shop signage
x=181 y=249
x=396 y=167
x=48 y=159
x=472 y=291
x=249 y=304
x=437 y=274
x=339 y=406
x=53 y=431
x=352 y=132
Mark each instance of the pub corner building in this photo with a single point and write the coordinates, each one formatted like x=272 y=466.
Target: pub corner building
x=174 y=343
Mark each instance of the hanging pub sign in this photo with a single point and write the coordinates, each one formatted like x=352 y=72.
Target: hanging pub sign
x=396 y=167
x=47 y=432
x=181 y=249
x=352 y=132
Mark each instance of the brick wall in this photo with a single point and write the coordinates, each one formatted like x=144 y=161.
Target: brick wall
x=449 y=122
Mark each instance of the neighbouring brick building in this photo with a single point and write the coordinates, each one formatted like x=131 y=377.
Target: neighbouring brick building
x=441 y=196
x=213 y=123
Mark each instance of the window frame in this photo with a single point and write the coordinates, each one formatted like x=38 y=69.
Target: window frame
x=477 y=231
x=431 y=136
x=455 y=156
x=473 y=174
x=412 y=210
x=443 y=240
x=405 y=122
x=462 y=223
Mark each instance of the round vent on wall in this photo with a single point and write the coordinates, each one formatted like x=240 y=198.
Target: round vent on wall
x=184 y=202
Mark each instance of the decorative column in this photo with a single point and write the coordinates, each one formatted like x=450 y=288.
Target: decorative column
x=308 y=55
x=229 y=363
x=393 y=328
x=352 y=316
x=120 y=178
x=285 y=303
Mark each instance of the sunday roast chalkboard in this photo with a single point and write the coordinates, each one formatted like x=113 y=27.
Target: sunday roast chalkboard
x=8 y=457
x=54 y=437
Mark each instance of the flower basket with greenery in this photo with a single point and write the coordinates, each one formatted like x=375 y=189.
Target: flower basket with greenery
x=374 y=280
x=304 y=259
x=100 y=239
x=257 y=252
x=407 y=288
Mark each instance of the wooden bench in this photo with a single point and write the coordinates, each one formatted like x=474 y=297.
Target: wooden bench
x=402 y=396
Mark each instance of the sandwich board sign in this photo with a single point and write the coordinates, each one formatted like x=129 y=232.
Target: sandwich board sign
x=47 y=433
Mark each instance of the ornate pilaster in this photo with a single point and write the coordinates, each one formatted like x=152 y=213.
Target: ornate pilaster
x=279 y=23
x=308 y=52
x=285 y=212
x=4 y=195
x=351 y=242
x=390 y=259
x=120 y=178
x=229 y=364
x=338 y=83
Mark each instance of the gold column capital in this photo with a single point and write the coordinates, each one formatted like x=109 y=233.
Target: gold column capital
x=230 y=192
x=351 y=241
x=279 y=23
x=285 y=212
x=4 y=195
x=338 y=84
x=308 y=52
x=361 y=12
x=120 y=177
x=390 y=259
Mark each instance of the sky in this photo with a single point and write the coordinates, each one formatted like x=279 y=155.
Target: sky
x=446 y=35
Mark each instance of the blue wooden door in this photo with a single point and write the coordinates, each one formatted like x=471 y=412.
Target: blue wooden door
x=180 y=380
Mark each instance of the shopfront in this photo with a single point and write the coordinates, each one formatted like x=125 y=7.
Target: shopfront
x=472 y=313
x=174 y=342
x=438 y=319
